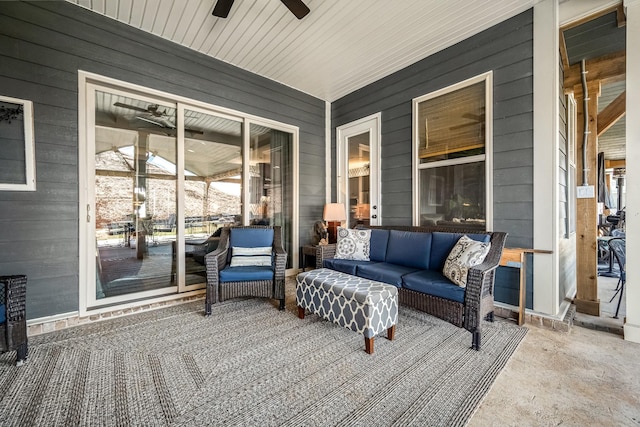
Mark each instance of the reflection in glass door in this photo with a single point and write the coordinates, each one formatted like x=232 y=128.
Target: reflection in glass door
x=359 y=161
x=271 y=181
x=212 y=185
x=135 y=195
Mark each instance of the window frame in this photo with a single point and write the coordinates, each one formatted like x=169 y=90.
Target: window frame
x=487 y=157
x=29 y=147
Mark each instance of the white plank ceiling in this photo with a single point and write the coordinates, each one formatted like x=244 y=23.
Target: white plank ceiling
x=339 y=47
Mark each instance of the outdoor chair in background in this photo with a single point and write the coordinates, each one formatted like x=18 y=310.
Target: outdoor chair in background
x=249 y=261
x=618 y=247
x=13 y=320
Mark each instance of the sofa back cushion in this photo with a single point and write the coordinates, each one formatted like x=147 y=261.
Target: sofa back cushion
x=251 y=237
x=379 y=241
x=409 y=248
x=443 y=242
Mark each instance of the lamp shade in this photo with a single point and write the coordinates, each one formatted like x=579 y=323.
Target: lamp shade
x=334 y=212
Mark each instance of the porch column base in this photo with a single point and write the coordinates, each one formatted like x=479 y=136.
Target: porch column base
x=589 y=307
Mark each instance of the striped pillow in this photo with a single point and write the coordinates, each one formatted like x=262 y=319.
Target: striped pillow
x=243 y=257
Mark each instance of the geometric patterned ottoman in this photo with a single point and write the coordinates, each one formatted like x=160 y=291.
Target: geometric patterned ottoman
x=362 y=305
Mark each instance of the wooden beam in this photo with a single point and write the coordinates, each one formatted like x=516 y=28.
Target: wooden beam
x=620 y=16
x=586 y=208
x=612 y=113
x=611 y=164
x=609 y=68
x=564 y=55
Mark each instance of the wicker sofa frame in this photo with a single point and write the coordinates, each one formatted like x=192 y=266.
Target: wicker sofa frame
x=14 y=329
x=479 y=295
x=217 y=260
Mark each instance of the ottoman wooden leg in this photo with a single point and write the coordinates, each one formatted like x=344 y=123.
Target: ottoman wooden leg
x=301 y=312
x=391 y=332
x=368 y=345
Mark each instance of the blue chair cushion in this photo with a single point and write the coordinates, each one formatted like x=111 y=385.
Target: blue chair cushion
x=347 y=266
x=384 y=272
x=409 y=249
x=3 y=313
x=251 y=237
x=378 y=242
x=442 y=243
x=246 y=274
x=433 y=283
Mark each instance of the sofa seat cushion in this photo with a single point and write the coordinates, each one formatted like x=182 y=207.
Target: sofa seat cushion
x=409 y=249
x=442 y=243
x=433 y=283
x=247 y=273
x=347 y=266
x=384 y=272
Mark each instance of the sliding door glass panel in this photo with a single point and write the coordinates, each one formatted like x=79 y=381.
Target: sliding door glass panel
x=135 y=195
x=213 y=185
x=271 y=181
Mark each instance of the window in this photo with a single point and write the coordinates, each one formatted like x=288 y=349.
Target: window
x=17 y=161
x=452 y=134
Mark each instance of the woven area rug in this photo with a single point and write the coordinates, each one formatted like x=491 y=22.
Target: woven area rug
x=250 y=364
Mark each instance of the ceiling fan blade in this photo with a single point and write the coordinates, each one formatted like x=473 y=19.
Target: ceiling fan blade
x=297 y=7
x=222 y=8
x=131 y=107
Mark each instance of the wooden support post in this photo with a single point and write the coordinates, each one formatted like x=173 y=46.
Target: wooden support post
x=587 y=208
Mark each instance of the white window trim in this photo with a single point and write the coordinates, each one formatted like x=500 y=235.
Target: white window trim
x=487 y=78
x=86 y=85
x=29 y=148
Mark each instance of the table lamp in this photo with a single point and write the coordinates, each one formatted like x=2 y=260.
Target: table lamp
x=334 y=214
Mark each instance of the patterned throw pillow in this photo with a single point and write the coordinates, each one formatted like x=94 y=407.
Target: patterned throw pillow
x=353 y=244
x=243 y=257
x=464 y=255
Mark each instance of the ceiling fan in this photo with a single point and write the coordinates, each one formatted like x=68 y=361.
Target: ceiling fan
x=297 y=7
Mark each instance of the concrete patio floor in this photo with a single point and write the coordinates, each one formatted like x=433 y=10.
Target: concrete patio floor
x=588 y=376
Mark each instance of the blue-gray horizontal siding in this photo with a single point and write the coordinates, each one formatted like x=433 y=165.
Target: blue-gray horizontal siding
x=42 y=47
x=507 y=50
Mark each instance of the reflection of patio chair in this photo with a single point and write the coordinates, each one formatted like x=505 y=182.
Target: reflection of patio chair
x=198 y=251
x=13 y=320
x=166 y=225
x=618 y=247
x=239 y=267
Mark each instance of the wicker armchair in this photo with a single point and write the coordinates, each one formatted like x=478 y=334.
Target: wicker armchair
x=225 y=281
x=13 y=321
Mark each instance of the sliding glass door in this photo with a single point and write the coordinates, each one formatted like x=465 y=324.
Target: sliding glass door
x=135 y=194
x=161 y=179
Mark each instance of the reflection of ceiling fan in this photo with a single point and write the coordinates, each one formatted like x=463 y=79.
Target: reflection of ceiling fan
x=156 y=117
x=151 y=109
x=297 y=7
x=477 y=119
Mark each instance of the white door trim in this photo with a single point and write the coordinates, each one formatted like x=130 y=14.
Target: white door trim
x=373 y=125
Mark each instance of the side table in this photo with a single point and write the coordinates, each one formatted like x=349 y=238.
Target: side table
x=306 y=252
